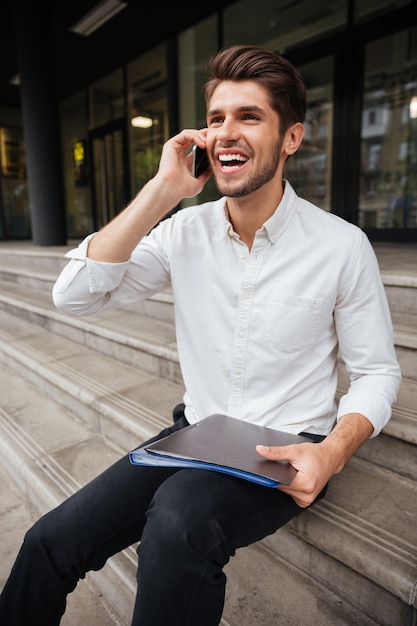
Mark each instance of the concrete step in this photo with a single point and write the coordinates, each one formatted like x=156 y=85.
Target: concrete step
x=146 y=339
x=86 y=605
x=401 y=291
x=147 y=366
x=22 y=276
x=122 y=405
x=124 y=333
x=125 y=403
x=350 y=560
x=140 y=327
x=403 y=424
x=39 y=267
x=147 y=343
x=49 y=452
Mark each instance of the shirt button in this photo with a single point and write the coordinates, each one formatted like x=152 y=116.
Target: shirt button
x=241 y=335
x=247 y=295
x=237 y=371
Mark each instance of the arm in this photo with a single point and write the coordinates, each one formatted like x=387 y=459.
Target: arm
x=316 y=463
x=93 y=280
x=366 y=345
x=115 y=242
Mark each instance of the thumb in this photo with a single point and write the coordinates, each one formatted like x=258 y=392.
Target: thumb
x=274 y=453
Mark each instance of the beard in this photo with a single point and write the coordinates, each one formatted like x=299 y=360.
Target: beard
x=256 y=180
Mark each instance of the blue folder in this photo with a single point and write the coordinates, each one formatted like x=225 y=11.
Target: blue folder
x=224 y=444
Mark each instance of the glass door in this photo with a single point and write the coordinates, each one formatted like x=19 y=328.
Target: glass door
x=388 y=182
x=14 y=195
x=310 y=170
x=109 y=171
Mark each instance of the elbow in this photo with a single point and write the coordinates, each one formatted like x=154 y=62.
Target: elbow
x=58 y=299
x=78 y=304
x=64 y=304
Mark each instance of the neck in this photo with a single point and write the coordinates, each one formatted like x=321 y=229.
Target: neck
x=248 y=214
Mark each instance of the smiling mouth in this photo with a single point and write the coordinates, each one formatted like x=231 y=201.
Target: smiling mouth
x=232 y=160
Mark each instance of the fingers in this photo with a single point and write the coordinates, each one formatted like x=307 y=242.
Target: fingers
x=276 y=453
x=175 y=163
x=187 y=137
x=312 y=471
x=301 y=499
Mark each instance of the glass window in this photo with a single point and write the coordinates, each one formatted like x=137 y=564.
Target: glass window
x=14 y=197
x=148 y=114
x=371 y=8
x=195 y=46
x=280 y=25
x=76 y=165
x=388 y=183
x=108 y=171
x=309 y=170
x=106 y=99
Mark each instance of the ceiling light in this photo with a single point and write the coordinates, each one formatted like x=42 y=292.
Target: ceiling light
x=98 y=16
x=141 y=121
x=413 y=107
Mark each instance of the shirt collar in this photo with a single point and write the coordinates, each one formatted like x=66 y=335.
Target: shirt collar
x=283 y=214
x=278 y=222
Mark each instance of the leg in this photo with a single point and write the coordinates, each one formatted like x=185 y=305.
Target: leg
x=195 y=522
x=104 y=517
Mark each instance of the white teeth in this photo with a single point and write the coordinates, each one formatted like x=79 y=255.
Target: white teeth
x=232 y=157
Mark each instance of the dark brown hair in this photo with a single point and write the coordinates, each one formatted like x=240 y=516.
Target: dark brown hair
x=277 y=75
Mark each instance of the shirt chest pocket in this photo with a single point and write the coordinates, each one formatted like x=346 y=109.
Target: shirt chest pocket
x=291 y=322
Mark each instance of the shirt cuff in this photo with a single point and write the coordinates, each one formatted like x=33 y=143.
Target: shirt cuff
x=102 y=276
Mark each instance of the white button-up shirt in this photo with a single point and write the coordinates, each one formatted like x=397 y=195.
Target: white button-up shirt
x=259 y=331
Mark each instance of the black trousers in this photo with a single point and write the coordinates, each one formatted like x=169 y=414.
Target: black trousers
x=189 y=523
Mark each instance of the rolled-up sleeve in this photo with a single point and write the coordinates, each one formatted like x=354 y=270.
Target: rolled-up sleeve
x=84 y=285
x=366 y=342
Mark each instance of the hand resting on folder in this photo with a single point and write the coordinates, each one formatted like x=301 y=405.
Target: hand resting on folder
x=317 y=462
x=224 y=444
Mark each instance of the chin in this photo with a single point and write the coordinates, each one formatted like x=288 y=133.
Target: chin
x=230 y=188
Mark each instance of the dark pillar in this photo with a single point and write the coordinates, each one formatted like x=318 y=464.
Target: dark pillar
x=34 y=40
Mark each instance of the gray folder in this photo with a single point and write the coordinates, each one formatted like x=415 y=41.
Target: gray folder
x=223 y=444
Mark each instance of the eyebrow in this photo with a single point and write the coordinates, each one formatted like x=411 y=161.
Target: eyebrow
x=245 y=108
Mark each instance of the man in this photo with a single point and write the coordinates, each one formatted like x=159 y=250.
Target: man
x=268 y=289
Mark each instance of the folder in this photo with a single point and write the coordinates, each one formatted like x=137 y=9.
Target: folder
x=223 y=444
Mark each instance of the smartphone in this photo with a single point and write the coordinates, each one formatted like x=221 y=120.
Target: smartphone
x=200 y=161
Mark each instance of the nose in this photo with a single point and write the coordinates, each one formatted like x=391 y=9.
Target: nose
x=229 y=131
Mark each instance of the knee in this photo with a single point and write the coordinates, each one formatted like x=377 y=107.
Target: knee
x=182 y=518
x=38 y=537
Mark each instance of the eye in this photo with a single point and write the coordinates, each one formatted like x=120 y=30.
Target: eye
x=215 y=120
x=251 y=117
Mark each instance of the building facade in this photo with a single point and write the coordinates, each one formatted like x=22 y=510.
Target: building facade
x=358 y=159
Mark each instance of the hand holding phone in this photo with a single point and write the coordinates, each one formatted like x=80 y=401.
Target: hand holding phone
x=200 y=161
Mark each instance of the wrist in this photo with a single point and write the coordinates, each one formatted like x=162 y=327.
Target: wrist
x=350 y=432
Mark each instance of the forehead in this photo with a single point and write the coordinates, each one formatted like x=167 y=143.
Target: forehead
x=239 y=94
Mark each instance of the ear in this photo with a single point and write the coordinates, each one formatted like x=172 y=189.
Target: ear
x=293 y=138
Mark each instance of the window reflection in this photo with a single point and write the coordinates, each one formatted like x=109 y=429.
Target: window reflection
x=195 y=46
x=309 y=170
x=388 y=184
x=280 y=25
x=107 y=99
x=370 y=8
x=148 y=115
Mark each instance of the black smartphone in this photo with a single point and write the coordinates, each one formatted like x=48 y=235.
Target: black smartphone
x=200 y=161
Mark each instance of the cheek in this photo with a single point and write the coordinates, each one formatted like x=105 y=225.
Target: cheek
x=210 y=143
